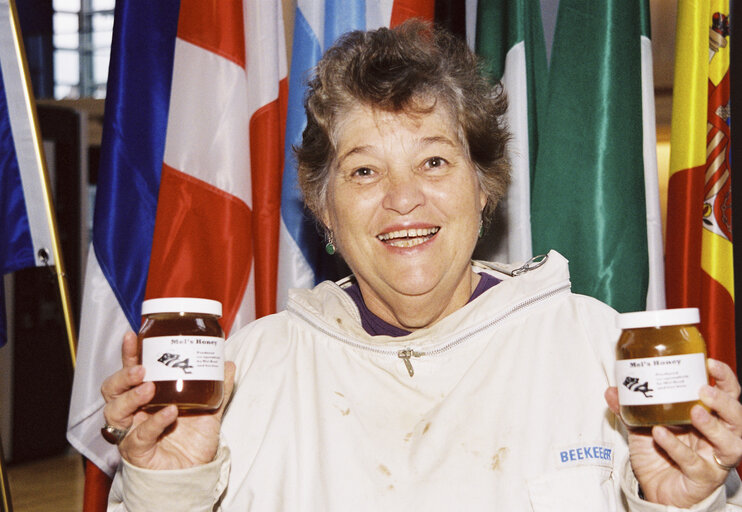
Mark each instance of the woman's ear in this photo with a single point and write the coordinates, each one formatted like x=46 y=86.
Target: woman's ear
x=482 y=199
x=324 y=218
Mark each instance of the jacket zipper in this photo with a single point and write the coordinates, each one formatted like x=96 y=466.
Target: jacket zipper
x=407 y=354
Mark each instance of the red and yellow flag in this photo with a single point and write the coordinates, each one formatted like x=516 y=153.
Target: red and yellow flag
x=699 y=261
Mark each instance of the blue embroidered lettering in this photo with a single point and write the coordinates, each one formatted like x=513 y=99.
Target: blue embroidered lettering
x=590 y=454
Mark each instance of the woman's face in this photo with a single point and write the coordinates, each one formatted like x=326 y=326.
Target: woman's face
x=404 y=204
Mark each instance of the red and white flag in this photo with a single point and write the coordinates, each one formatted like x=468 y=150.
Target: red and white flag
x=190 y=179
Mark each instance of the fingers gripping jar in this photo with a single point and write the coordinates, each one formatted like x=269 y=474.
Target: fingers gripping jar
x=660 y=367
x=181 y=346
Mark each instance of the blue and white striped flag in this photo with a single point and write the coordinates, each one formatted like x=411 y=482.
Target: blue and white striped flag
x=302 y=261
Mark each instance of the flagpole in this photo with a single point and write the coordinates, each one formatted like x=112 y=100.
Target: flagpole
x=5 y=501
x=30 y=106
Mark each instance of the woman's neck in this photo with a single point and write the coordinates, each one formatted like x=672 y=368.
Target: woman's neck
x=412 y=312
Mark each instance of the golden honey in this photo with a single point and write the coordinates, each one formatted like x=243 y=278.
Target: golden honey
x=181 y=346
x=660 y=367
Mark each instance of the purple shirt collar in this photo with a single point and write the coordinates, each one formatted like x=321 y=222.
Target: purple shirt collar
x=375 y=326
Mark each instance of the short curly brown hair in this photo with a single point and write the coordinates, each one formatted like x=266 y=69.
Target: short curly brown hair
x=401 y=70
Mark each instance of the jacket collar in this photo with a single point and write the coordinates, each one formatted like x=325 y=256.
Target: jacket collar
x=331 y=309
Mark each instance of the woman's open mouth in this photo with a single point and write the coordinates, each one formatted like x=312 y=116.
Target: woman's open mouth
x=408 y=237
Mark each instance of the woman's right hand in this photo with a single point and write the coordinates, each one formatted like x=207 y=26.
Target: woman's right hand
x=159 y=440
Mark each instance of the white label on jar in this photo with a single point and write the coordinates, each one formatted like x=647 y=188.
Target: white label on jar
x=183 y=357
x=660 y=380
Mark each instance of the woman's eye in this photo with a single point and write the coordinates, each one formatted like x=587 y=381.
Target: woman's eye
x=362 y=171
x=435 y=162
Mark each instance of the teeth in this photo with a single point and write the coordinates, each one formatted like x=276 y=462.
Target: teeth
x=407 y=242
x=408 y=237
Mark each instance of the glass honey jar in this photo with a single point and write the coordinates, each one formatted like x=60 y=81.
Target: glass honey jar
x=181 y=346
x=660 y=367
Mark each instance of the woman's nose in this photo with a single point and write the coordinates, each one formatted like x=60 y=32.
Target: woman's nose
x=404 y=192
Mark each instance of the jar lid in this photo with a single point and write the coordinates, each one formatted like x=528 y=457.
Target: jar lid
x=658 y=318
x=182 y=305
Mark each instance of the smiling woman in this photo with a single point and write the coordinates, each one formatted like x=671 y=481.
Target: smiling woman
x=404 y=205
x=403 y=162
x=423 y=381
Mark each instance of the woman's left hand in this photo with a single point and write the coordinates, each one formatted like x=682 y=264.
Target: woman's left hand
x=677 y=466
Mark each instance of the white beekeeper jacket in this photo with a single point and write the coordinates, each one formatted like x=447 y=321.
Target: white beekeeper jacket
x=504 y=411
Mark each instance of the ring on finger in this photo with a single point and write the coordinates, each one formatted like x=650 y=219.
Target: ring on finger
x=115 y=435
x=725 y=467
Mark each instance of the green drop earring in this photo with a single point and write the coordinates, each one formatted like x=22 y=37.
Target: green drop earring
x=481 y=228
x=330 y=246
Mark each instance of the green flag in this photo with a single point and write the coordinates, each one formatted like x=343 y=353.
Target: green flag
x=509 y=37
x=588 y=194
x=584 y=132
